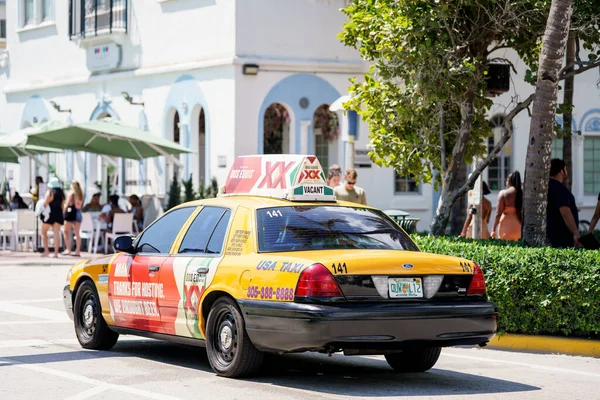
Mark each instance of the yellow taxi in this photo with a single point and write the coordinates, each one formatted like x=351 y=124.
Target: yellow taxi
x=276 y=265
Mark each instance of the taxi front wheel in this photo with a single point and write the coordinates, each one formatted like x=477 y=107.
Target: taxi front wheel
x=230 y=352
x=90 y=327
x=414 y=360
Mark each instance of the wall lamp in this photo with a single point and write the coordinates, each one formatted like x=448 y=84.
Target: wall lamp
x=130 y=99
x=250 y=69
x=57 y=107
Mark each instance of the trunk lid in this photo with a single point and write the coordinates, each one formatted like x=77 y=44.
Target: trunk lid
x=394 y=275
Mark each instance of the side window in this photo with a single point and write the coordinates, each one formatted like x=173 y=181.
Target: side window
x=159 y=237
x=197 y=237
x=215 y=244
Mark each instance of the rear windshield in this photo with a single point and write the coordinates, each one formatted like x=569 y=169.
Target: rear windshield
x=327 y=228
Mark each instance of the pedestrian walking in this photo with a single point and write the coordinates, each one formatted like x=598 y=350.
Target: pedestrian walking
x=562 y=216
x=349 y=191
x=486 y=213
x=53 y=217
x=509 y=210
x=73 y=217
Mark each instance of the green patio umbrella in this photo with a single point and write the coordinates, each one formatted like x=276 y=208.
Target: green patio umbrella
x=14 y=146
x=106 y=136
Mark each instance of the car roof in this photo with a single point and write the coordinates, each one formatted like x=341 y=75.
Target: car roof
x=257 y=202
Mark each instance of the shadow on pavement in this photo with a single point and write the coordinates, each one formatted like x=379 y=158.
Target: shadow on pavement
x=340 y=375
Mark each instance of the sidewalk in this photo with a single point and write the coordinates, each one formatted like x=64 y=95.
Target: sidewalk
x=30 y=259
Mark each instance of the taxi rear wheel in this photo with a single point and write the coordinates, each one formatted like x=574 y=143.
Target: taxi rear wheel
x=230 y=351
x=414 y=360
x=90 y=327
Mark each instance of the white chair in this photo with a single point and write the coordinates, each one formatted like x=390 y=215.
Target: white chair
x=121 y=225
x=7 y=227
x=87 y=230
x=25 y=229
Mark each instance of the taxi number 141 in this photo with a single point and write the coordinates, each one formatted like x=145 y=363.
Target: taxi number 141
x=339 y=268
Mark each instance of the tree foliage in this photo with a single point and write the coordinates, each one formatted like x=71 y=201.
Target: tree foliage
x=174 y=192
x=188 y=190
x=425 y=95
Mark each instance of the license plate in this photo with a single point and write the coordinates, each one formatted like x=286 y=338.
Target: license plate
x=405 y=287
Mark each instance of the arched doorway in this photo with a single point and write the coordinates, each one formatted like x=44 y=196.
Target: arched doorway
x=173 y=165
x=198 y=144
x=177 y=139
x=176 y=131
x=276 y=130
x=326 y=129
x=187 y=99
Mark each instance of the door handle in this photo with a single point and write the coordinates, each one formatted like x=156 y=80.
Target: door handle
x=202 y=270
x=153 y=268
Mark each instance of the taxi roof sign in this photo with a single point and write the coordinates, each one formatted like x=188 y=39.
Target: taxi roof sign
x=292 y=177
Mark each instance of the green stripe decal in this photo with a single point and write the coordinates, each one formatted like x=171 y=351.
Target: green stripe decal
x=293 y=174
x=328 y=191
x=299 y=191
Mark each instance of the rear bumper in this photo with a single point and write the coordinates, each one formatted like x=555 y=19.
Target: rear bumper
x=375 y=328
x=68 y=301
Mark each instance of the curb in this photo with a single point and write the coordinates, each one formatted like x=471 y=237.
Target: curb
x=546 y=344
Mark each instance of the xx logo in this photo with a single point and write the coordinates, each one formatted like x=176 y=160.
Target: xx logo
x=279 y=181
x=190 y=291
x=310 y=174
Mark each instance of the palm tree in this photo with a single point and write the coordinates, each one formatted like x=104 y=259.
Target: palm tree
x=539 y=150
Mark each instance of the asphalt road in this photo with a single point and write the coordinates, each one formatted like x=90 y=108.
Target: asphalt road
x=41 y=359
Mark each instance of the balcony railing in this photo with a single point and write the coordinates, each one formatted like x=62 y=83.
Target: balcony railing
x=90 y=18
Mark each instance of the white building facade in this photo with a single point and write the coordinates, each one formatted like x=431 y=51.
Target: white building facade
x=207 y=73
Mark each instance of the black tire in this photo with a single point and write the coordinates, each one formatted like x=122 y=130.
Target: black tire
x=414 y=360
x=230 y=352
x=90 y=327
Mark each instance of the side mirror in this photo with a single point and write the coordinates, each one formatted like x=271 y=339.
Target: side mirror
x=124 y=244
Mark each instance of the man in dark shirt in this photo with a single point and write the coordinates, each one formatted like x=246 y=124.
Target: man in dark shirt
x=562 y=217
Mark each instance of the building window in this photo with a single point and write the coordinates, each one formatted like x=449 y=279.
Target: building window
x=29 y=12
x=2 y=29
x=97 y=17
x=557 y=147
x=500 y=167
x=322 y=150
x=591 y=165
x=47 y=10
x=405 y=184
x=34 y=12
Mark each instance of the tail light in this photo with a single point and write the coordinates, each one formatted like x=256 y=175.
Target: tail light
x=317 y=281
x=477 y=285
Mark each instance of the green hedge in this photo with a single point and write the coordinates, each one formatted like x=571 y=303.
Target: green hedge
x=537 y=290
